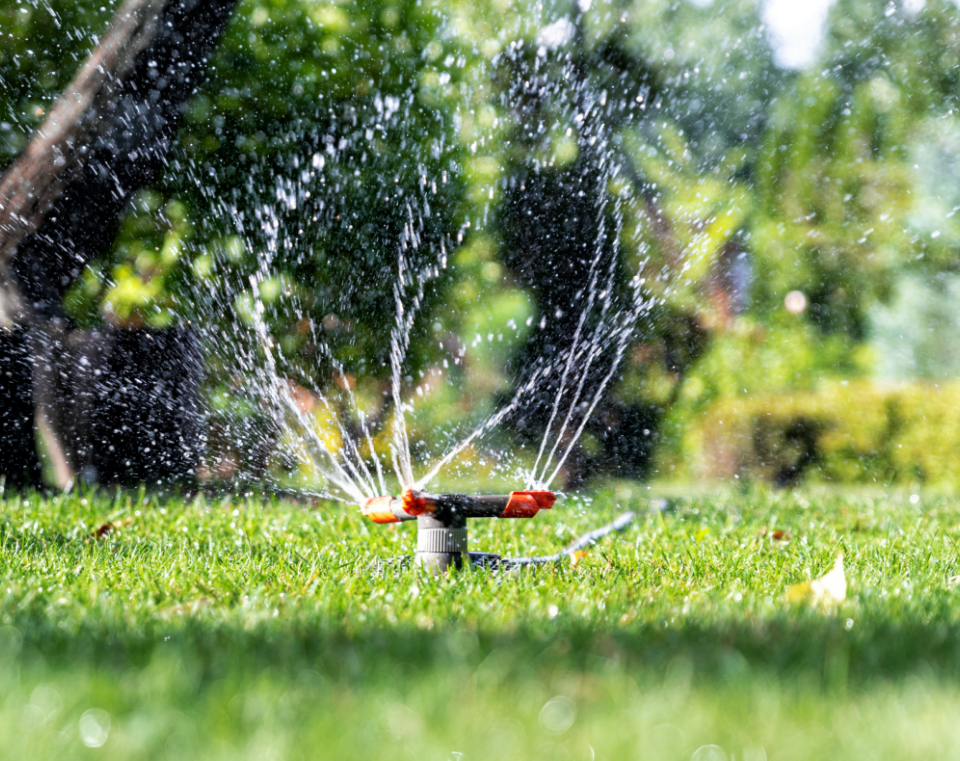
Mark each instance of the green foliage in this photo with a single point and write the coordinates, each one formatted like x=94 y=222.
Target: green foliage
x=747 y=360
x=325 y=137
x=917 y=335
x=713 y=71
x=143 y=286
x=846 y=432
x=455 y=120
x=339 y=120
x=370 y=89
x=222 y=629
x=850 y=188
x=43 y=47
x=915 y=50
x=835 y=194
x=678 y=235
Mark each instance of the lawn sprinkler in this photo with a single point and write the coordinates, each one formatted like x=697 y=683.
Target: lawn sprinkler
x=442 y=521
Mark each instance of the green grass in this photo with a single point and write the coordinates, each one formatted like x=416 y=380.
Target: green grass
x=241 y=629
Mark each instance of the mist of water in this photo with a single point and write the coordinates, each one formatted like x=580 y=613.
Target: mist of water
x=354 y=470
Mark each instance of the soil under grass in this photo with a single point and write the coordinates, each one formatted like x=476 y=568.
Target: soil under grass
x=245 y=629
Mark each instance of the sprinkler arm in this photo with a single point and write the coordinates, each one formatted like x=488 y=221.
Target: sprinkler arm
x=445 y=507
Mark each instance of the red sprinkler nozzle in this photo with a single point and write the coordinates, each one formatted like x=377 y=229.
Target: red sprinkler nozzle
x=516 y=504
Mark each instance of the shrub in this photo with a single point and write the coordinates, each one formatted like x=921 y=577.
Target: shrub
x=844 y=432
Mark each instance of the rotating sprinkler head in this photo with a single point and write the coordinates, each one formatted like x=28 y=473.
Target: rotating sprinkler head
x=442 y=520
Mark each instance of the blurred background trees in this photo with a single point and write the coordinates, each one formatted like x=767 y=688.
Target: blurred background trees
x=506 y=145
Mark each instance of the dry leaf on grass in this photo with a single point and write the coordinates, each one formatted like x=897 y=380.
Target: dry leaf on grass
x=827 y=591
x=576 y=557
x=108 y=527
x=777 y=535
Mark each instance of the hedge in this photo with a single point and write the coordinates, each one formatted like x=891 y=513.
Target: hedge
x=846 y=432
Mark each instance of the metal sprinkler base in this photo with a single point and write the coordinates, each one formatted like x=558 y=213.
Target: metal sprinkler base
x=441 y=543
x=442 y=522
x=439 y=547
x=489 y=561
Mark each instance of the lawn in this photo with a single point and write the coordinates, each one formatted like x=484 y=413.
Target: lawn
x=242 y=628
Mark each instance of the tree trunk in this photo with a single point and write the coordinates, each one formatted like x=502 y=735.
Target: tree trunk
x=106 y=138
x=19 y=464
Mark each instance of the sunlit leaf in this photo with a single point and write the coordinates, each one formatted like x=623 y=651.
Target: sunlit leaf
x=827 y=591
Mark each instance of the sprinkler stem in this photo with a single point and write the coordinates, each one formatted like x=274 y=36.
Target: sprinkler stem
x=441 y=542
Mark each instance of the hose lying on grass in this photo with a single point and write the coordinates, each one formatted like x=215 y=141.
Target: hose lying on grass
x=591 y=537
x=584 y=541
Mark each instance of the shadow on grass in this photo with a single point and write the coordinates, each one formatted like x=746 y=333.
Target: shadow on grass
x=817 y=648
